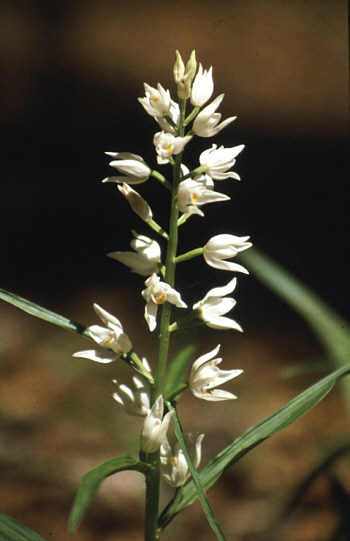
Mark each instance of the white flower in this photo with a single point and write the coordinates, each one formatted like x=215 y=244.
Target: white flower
x=202 y=87
x=222 y=247
x=137 y=203
x=206 y=123
x=135 y=402
x=155 y=427
x=112 y=339
x=219 y=160
x=193 y=194
x=144 y=261
x=167 y=144
x=174 y=114
x=205 y=375
x=157 y=100
x=132 y=165
x=213 y=306
x=174 y=467
x=158 y=292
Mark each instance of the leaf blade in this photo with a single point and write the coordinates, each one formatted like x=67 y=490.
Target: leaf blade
x=42 y=313
x=12 y=530
x=92 y=479
x=273 y=424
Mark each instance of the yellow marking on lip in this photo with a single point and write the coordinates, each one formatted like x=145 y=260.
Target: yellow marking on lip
x=169 y=148
x=194 y=198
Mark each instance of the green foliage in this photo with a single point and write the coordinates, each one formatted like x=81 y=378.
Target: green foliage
x=176 y=373
x=43 y=313
x=92 y=480
x=197 y=481
x=11 y=530
x=253 y=437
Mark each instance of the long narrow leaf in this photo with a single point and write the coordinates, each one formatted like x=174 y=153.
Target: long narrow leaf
x=43 y=313
x=92 y=480
x=197 y=481
x=11 y=530
x=254 y=436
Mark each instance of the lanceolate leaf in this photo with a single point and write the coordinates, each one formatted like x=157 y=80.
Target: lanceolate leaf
x=43 y=313
x=197 y=481
x=92 y=480
x=253 y=437
x=11 y=530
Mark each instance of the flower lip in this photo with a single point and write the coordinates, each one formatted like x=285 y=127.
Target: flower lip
x=193 y=194
x=156 y=293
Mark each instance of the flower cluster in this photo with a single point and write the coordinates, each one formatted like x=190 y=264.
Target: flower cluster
x=190 y=190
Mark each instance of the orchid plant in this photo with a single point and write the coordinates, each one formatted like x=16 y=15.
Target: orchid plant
x=155 y=393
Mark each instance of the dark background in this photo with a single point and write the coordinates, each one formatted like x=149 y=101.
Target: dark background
x=72 y=72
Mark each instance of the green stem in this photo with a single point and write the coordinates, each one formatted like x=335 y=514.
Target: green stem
x=189 y=255
x=153 y=480
x=152 y=498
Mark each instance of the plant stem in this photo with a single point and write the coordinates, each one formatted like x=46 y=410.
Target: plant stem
x=153 y=480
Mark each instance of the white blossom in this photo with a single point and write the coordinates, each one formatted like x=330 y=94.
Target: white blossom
x=214 y=305
x=193 y=194
x=202 y=87
x=167 y=145
x=155 y=427
x=206 y=123
x=156 y=293
x=157 y=100
x=174 y=114
x=137 y=203
x=111 y=338
x=145 y=258
x=219 y=161
x=222 y=247
x=135 y=402
x=133 y=166
x=174 y=467
x=205 y=376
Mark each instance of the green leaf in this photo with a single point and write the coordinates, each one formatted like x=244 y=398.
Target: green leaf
x=197 y=481
x=11 y=530
x=92 y=480
x=253 y=437
x=177 y=369
x=43 y=313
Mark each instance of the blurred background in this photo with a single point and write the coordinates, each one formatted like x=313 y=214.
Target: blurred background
x=71 y=75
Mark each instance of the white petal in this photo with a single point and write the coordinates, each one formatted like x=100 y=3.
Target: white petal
x=104 y=356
